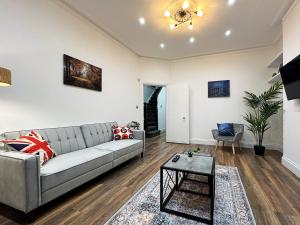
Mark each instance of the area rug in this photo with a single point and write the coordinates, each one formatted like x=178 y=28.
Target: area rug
x=231 y=203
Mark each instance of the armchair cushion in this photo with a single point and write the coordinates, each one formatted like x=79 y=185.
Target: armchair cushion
x=226 y=129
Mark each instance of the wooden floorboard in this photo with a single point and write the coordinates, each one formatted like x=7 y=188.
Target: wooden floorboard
x=272 y=190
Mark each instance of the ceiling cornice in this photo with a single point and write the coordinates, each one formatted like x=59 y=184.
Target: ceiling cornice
x=79 y=15
x=290 y=9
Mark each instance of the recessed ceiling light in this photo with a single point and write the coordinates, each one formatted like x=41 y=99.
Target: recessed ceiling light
x=192 y=40
x=162 y=45
x=228 y=33
x=231 y=2
x=142 y=21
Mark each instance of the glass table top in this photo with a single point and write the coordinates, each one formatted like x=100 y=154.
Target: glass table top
x=196 y=164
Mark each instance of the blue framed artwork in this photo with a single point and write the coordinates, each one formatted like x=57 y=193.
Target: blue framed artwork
x=219 y=88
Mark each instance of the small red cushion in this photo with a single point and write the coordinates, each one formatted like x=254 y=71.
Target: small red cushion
x=122 y=133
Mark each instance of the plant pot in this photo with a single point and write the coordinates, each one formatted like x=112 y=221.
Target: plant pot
x=259 y=150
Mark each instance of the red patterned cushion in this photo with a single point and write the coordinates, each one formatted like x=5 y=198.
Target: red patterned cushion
x=121 y=133
x=32 y=143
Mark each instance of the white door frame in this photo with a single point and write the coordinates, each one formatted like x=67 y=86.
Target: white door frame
x=142 y=83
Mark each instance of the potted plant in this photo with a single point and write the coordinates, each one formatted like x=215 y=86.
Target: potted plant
x=262 y=107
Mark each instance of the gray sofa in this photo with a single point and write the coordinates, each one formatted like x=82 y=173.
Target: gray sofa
x=83 y=153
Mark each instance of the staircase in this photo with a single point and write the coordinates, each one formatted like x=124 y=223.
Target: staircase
x=151 y=115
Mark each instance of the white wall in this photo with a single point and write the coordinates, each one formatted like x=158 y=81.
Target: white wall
x=34 y=37
x=154 y=71
x=246 y=70
x=161 y=106
x=291 y=118
x=37 y=34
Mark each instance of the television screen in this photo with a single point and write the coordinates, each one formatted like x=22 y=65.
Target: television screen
x=290 y=75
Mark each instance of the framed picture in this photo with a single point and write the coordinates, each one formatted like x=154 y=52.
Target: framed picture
x=81 y=74
x=219 y=88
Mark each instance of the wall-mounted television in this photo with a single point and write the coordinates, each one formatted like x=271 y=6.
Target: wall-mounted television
x=290 y=75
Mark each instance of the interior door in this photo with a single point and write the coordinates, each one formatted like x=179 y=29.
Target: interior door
x=178 y=121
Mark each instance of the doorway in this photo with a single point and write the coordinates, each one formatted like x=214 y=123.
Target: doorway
x=154 y=109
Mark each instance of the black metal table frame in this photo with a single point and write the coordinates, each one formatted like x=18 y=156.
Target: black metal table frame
x=177 y=187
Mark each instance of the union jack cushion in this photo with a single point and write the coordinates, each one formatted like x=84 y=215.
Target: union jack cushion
x=121 y=133
x=32 y=143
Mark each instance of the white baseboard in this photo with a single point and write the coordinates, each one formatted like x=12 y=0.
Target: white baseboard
x=292 y=166
x=244 y=144
x=199 y=141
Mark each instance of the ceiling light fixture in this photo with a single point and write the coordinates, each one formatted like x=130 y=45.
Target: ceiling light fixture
x=167 y=13
x=162 y=45
x=142 y=21
x=182 y=11
x=185 y=5
x=228 y=33
x=231 y=2
x=192 y=40
x=200 y=13
x=173 y=26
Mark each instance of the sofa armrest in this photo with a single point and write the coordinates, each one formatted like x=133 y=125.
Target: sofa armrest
x=20 y=180
x=140 y=135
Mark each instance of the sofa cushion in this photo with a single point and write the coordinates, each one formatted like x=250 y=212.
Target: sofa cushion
x=32 y=143
x=122 y=133
x=62 y=139
x=68 y=166
x=121 y=147
x=98 y=133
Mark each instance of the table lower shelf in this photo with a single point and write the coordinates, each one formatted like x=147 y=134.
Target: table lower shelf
x=196 y=197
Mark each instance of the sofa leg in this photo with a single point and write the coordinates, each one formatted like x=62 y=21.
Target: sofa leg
x=216 y=148
x=142 y=155
x=233 y=149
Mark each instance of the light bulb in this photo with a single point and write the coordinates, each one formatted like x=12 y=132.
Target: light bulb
x=192 y=40
x=162 y=45
x=228 y=33
x=231 y=2
x=185 y=4
x=172 y=26
x=167 y=13
x=200 y=13
x=142 y=21
x=191 y=26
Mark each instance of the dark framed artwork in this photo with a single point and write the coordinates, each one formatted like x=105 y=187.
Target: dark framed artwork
x=81 y=74
x=219 y=88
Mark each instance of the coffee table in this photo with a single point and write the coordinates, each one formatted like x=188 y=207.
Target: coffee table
x=173 y=174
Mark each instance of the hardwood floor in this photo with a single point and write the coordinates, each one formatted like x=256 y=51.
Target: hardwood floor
x=273 y=191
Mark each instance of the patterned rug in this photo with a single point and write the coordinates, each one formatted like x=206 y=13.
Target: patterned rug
x=231 y=203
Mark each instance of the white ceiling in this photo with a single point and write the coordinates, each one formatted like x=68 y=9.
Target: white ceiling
x=254 y=23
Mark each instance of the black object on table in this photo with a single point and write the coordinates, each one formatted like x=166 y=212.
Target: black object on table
x=177 y=172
